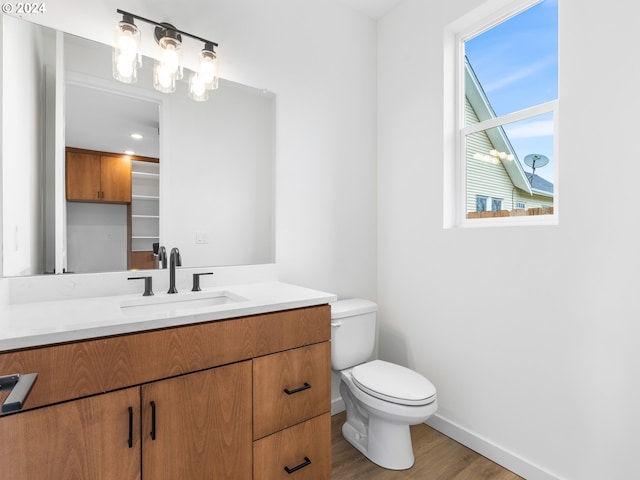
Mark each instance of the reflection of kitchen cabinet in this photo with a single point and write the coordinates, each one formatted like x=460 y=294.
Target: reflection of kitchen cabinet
x=145 y=213
x=97 y=177
x=215 y=390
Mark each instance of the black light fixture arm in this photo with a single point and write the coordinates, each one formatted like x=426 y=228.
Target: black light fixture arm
x=165 y=26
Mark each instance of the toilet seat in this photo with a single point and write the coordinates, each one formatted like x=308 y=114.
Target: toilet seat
x=393 y=383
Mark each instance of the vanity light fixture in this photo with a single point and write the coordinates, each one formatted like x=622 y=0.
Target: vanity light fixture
x=168 y=68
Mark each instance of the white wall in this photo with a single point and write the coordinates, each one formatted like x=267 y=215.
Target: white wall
x=542 y=369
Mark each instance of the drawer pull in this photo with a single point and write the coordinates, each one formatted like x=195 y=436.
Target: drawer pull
x=20 y=386
x=306 y=386
x=130 y=442
x=298 y=467
x=153 y=420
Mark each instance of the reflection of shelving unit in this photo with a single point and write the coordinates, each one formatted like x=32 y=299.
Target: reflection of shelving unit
x=145 y=213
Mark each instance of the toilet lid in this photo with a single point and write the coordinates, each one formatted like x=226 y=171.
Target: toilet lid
x=393 y=383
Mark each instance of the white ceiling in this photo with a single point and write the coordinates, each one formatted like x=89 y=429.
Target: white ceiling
x=104 y=121
x=372 y=8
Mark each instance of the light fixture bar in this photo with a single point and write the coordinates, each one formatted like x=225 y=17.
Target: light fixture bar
x=164 y=25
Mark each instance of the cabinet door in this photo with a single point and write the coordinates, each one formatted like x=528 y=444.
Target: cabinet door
x=83 y=177
x=198 y=426
x=115 y=178
x=96 y=437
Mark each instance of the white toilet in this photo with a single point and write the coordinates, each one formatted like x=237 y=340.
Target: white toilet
x=382 y=399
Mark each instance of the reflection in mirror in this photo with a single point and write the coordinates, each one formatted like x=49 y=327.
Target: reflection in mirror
x=111 y=234
x=215 y=177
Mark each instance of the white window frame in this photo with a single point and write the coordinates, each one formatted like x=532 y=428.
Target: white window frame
x=455 y=176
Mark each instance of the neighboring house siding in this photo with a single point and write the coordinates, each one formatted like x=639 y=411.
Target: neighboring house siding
x=489 y=178
x=531 y=201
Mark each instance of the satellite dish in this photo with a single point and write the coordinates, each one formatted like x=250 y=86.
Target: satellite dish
x=535 y=160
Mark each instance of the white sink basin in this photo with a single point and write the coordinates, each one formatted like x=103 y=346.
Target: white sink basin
x=176 y=304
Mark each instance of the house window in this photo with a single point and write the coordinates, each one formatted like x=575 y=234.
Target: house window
x=507 y=116
x=481 y=203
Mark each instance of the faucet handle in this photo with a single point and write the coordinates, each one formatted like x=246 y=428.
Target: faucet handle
x=148 y=291
x=196 y=280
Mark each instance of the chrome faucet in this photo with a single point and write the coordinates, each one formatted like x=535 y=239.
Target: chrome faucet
x=175 y=260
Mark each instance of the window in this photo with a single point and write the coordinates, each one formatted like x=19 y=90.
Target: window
x=507 y=116
x=481 y=203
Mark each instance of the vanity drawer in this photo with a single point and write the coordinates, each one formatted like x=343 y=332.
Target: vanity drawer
x=290 y=387
x=306 y=446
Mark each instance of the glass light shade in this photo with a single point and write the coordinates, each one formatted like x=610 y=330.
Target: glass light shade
x=198 y=88
x=126 y=57
x=209 y=68
x=163 y=80
x=171 y=55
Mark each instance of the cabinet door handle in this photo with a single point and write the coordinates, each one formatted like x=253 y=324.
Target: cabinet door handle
x=153 y=420
x=130 y=442
x=298 y=467
x=306 y=386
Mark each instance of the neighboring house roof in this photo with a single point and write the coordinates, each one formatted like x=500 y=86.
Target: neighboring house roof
x=480 y=103
x=539 y=184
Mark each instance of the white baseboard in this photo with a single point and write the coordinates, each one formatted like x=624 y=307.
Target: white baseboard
x=493 y=452
x=337 y=405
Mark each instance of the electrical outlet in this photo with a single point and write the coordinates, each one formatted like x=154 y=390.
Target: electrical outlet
x=202 y=238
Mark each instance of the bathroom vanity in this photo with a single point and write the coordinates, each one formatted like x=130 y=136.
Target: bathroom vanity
x=243 y=394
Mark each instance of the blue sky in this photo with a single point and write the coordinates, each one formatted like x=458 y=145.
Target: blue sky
x=516 y=63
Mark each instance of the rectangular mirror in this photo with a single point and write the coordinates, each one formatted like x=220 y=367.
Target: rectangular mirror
x=214 y=173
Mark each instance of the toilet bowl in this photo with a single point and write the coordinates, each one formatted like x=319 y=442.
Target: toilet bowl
x=382 y=399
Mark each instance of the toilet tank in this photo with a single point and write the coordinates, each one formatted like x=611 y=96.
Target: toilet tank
x=353 y=332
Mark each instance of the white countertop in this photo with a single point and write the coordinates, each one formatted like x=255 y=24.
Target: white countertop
x=43 y=323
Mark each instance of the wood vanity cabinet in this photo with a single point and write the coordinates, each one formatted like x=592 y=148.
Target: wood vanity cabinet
x=231 y=399
x=97 y=177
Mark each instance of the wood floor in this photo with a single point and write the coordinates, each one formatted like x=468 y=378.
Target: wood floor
x=437 y=458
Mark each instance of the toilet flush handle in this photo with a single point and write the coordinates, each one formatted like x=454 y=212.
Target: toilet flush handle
x=336 y=323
